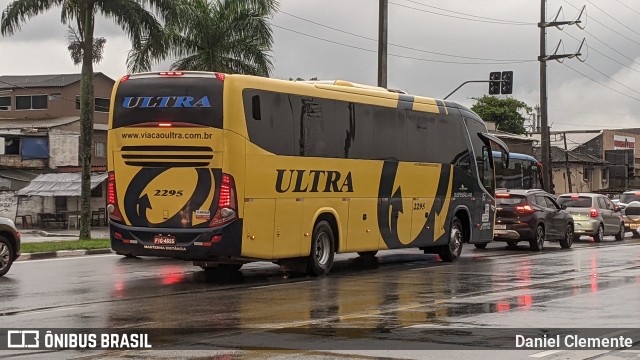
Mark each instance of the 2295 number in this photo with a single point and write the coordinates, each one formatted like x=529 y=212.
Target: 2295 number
x=177 y=193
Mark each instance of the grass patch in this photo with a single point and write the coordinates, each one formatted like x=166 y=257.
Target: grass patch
x=48 y=246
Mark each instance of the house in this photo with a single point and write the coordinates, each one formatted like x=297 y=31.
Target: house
x=588 y=173
x=40 y=131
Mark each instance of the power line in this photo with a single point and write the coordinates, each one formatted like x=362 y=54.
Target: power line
x=614 y=19
x=471 y=15
x=596 y=81
x=396 y=55
x=605 y=55
x=628 y=7
x=458 y=17
x=607 y=45
x=612 y=79
x=402 y=46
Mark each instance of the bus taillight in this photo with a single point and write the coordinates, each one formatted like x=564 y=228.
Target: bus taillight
x=227 y=204
x=112 y=197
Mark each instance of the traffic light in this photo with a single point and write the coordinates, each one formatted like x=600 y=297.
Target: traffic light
x=507 y=82
x=494 y=83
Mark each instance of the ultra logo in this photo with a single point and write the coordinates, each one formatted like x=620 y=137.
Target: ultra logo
x=132 y=102
x=313 y=181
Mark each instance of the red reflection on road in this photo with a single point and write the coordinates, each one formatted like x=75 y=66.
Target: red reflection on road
x=503 y=306
x=171 y=275
x=525 y=301
x=594 y=273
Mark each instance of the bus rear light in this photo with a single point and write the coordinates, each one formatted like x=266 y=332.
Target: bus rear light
x=171 y=73
x=112 y=197
x=593 y=212
x=227 y=204
x=220 y=76
x=216 y=238
x=164 y=124
x=125 y=78
x=117 y=235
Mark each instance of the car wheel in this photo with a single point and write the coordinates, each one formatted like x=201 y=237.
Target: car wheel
x=322 y=250
x=599 y=235
x=480 y=245
x=620 y=234
x=537 y=243
x=6 y=255
x=368 y=254
x=512 y=244
x=568 y=238
x=452 y=251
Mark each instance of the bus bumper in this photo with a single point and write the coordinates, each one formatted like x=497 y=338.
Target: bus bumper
x=190 y=244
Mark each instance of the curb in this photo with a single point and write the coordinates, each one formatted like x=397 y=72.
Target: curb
x=61 y=254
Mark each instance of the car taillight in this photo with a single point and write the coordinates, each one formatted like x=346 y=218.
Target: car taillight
x=227 y=203
x=112 y=198
x=525 y=209
x=593 y=212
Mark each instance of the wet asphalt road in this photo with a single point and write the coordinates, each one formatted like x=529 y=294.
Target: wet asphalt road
x=362 y=309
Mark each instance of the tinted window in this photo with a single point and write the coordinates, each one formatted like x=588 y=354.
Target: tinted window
x=511 y=200
x=193 y=100
x=551 y=203
x=627 y=198
x=601 y=203
x=482 y=152
x=270 y=121
x=576 y=202
x=541 y=201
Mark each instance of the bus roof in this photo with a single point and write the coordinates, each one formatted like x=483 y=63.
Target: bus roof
x=517 y=156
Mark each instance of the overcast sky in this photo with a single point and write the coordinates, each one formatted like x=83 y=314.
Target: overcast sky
x=575 y=102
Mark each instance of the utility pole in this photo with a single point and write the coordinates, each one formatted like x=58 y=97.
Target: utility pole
x=383 y=23
x=566 y=162
x=543 y=58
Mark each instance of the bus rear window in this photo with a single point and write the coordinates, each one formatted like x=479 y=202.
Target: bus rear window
x=575 y=202
x=188 y=100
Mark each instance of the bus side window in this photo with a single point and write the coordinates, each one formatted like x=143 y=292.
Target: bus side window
x=255 y=107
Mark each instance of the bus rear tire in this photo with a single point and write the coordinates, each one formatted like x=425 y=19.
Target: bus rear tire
x=451 y=251
x=322 y=251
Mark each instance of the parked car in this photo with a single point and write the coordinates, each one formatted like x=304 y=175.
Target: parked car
x=594 y=215
x=9 y=244
x=533 y=216
x=630 y=205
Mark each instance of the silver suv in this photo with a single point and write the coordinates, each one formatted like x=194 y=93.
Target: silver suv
x=9 y=244
x=594 y=215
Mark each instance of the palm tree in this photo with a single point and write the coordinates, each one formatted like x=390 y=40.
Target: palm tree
x=231 y=36
x=132 y=16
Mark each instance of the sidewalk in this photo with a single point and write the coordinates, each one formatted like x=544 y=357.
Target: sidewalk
x=40 y=235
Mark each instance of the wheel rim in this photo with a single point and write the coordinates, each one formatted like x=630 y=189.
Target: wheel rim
x=600 y=232
x=569 y=235
x=540 y=237
x=622 y=231
x=322 y=248
x=455 y=240
x=5 y=256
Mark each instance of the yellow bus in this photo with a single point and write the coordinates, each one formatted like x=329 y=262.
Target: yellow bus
x=224 y=169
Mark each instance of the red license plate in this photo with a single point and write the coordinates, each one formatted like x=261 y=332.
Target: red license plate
x=164 y=240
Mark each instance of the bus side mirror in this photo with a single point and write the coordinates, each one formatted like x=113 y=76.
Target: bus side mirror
x=505 y=159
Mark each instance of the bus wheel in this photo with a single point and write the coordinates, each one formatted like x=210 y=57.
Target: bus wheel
x=322 y=250
x=451 y=252
x=368 y=254
x=480 y=245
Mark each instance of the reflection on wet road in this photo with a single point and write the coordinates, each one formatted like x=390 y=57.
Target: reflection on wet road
x=591 y=285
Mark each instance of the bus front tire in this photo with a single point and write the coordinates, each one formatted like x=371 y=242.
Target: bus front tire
x=453 y=249
x=322 y=250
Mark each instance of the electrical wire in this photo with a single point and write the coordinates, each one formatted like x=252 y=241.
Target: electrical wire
x=471 y=15
x=628 y=7
x=614 y=19
x=605 y=55
x=596 y=81
x=397 y=55
x=459 y=17
x=612 y=79
x=402 y=46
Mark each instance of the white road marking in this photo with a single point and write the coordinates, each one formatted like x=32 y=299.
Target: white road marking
x=62 y=258
x=46 y=311
x=545 y=353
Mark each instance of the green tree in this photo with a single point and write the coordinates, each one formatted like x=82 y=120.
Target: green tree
x=231 y=36
x=133 y=16
x=506 y=113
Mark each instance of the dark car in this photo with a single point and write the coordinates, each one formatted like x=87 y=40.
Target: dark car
x=9 y=244
x=533 y=216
